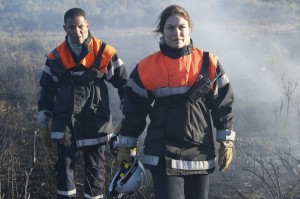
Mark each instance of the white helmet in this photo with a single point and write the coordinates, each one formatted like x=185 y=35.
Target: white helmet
x=127 y=180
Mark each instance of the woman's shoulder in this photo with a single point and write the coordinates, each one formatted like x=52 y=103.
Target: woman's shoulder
x=150 y=57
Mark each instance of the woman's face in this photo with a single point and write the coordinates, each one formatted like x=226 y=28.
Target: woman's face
x=176 y=32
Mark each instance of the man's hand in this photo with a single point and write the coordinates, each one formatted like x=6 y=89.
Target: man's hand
x=124 y=154
x=43 y=136
x=225 y=155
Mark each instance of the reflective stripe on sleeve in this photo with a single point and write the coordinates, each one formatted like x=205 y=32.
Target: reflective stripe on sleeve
x=150 y=159
x=114 y=65
x=93 y=197
x=66 y=193
x=47 y=70
x=222 y=81
x=225 y=135
x=136 y=88
x=125 y=141
x=57 y=135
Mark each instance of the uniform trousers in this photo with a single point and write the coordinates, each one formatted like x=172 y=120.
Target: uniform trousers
x=180 y=186
x=94 y=170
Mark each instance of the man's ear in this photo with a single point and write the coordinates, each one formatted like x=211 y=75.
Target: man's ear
x=64 y=26
x=87 y=24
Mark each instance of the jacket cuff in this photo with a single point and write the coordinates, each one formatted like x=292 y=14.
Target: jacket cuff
x=126 y=142
x=225 y=135
x=44 y=116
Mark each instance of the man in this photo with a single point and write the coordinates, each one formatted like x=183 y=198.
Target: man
x=75 y=98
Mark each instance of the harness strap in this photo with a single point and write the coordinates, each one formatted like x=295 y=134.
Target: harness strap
x=205 y=65
x=97 y=60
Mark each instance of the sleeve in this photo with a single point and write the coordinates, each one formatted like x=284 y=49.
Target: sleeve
x=221 y=101
x=117 y=74
x=137 y=105
x=49 y=89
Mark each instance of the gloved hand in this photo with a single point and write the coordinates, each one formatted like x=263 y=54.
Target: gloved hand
x=124 y=154
x=43 y=134
x=225 y=154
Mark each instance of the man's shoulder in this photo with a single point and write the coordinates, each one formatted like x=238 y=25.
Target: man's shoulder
x=108 y=48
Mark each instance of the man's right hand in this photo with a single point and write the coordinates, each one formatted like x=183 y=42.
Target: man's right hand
x=43 y=136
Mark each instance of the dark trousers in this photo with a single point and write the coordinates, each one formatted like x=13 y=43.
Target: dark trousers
x=180 y=187
x=94 y=183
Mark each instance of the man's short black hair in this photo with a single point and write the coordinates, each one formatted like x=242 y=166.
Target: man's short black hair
x=74 y=12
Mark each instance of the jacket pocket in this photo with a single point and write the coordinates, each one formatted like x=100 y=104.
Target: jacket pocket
x=198 y=129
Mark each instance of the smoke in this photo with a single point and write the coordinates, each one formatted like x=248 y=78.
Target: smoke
x=258 y=51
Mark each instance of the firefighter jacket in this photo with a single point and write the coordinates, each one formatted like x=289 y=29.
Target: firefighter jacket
x=74 y=92
x=179 y=135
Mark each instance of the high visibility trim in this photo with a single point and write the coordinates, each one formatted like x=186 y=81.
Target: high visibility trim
x=125 y=141
x=150 y=159
x=93 y=197
x=225 y=135
x=222 y=81
x=47 y=70
x=65 y=56
x=136 y=88
x=164 y=92
x=66 y=193
x=181 y=164
x=192 y=165
x=77 y=73
x=114 y=65
x=57 y=135
x=94 y=141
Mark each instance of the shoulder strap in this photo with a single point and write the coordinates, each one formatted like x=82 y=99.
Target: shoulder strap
x=56 y=58
x=97 y=61
x=205 y=65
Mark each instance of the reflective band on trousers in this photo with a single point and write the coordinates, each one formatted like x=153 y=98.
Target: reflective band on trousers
x=93 y=197
x=89 y=142
x=181 y=164
x=83 y=142
x=66 y=193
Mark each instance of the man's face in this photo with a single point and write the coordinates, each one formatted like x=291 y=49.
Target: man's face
x=77 y=29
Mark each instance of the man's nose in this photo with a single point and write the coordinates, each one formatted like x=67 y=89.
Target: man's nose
x=78 y=32
x=177 y=31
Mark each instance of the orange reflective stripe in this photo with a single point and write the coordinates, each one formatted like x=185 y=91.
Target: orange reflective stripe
x=95 y=44
x=159 y=71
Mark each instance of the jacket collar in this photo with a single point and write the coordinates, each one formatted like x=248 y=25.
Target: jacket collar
x=85 y=48
x=175 y=53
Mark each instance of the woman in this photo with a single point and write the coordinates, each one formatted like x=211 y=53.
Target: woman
x=179 y=147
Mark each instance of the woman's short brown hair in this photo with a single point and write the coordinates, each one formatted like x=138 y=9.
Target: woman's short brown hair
x=169 y=11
